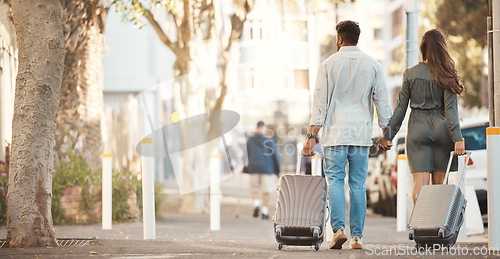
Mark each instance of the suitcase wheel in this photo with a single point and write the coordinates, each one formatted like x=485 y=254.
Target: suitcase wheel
x=316 y=246
x=278 y=231
x=280 y=246
x=411 y=234
x=315 y=230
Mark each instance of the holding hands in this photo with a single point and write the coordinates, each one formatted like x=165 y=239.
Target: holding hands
x=384 y=144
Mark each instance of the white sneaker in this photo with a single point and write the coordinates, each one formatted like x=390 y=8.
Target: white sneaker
x=356 y=243
x=339 y=239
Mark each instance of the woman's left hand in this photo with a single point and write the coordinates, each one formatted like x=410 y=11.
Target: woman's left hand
x=384 y=144
x=459 y=148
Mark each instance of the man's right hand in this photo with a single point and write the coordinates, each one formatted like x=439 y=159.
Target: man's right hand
x=384 y=144
x=308 y=148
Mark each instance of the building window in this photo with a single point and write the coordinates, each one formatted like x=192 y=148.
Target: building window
x=296 y=79
x=255 y=30
x=377 y=34
x=397 y=22
x=301 y=78
x=257 y=78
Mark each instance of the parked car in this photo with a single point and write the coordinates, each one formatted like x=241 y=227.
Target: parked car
x=383 y=168
x=381 y=181
x=474 y=133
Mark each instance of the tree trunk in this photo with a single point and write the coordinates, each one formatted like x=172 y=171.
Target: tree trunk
x=201 y=74
x=80 y=109
x=41 y=54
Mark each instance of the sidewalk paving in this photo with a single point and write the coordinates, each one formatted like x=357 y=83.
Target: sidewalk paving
x=189 y=236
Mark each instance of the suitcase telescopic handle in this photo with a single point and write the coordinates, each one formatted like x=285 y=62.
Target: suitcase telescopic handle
x=462 y=174
x=299 y=162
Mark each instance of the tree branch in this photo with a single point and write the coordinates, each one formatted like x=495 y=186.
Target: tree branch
x=237 y=24
x=186 y=25
x=174 y=46
x=211 y=18
x=235 y=36
x=177 y=26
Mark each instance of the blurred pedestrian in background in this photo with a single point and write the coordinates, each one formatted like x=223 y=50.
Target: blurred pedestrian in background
x=431 y=88
x=263 y=167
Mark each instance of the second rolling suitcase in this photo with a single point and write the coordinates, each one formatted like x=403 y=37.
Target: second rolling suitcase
x=439 y=212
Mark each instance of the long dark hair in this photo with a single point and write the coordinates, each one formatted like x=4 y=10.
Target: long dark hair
x=435 y=50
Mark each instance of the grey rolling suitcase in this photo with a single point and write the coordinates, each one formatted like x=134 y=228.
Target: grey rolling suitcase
x=439 y=212
x=300 y=210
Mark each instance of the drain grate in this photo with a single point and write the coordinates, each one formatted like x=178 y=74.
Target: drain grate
x=65 y=242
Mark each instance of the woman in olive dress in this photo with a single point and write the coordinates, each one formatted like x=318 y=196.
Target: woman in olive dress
x=431 y=87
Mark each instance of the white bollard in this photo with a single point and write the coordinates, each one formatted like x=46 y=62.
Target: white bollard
x=148 y=192
x=215 y=166
x=316 y=165
x=409 y=193
x=313 y=165
x=401 y=220
x=493 y=149
x=107 y=192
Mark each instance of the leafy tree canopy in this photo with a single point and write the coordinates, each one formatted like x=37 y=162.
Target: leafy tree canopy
x=465 y=23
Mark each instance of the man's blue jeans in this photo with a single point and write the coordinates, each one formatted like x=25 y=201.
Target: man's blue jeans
x=336 y=158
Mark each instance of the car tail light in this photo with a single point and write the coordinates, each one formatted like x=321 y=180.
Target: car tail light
x=470 y=162
x=394 y=178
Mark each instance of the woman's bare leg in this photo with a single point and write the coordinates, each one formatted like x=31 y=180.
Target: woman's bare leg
x=438 y=177
x=419 y=179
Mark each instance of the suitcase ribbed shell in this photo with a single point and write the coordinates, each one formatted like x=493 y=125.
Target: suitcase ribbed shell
x=437 y=207
x=301 y=201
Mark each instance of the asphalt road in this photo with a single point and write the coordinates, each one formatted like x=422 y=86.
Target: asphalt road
x=189 y=236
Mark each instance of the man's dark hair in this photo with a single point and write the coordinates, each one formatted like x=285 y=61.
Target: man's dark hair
x=349 y=31
x=260 y=124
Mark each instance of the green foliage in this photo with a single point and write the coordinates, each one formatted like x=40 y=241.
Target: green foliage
x=134 y=10
x=75 y=172
x=124 y=184
x=465 y=23
x=69 y=173
x=159 y=197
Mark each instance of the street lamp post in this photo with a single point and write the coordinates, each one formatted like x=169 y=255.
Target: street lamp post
x=412 y=33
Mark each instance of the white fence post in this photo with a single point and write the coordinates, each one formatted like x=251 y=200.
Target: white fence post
x=401 y=193
x=215 y=166
x=148 y=192
x=107 y=192
x=493 y=149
